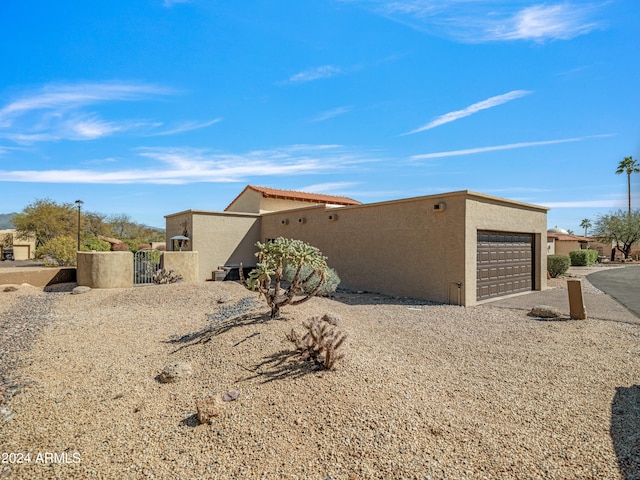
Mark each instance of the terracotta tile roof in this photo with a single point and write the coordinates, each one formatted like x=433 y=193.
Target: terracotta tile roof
x=568 y=237
x=299 y=196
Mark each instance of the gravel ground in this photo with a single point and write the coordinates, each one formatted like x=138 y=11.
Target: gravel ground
x=424 y=391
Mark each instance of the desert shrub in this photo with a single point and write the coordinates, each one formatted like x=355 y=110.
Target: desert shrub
x=582 y=258
x=557 y=265
x=58 y=252
x=93 y=243
x=166 y=276
x=267 y=278
x=320 y=342
x=330 y=283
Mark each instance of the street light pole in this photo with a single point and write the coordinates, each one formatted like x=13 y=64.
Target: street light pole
x=79 y=204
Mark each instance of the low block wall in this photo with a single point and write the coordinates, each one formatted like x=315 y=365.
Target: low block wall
x=182 y=263
x=37 y=276
x=105 y=269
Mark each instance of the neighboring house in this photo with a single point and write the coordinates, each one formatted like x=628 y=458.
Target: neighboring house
x=262 y=200
x=23 y=248
x=561 y=242
x=458 y=248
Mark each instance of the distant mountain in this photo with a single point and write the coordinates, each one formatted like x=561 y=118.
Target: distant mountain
x=5 y=221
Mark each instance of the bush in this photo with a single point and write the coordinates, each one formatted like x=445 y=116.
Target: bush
x=59 y=252
x=93 y=243
x=330 y=283
x=557 y=265
x=321 y=341
x=583 y=258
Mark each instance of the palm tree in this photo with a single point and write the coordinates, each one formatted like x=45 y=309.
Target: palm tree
x=628 y=165
x=586 y=224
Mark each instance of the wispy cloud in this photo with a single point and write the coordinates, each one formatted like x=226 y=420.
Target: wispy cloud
x=509 y=146
x=471 y=109
x=187 y=127
x=331 y=113
x=341 y=188
x=58 y=112
x=489 y=20
x=540 y=22
x=604 y=203
x=171 y=3
x=187 y=165
x=69 y=97
x=317 y=73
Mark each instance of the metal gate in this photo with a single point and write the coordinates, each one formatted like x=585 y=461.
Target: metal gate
x=145 y=264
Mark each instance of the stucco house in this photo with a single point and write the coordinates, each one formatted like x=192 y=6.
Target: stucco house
x=458 y=248
x=22 y=248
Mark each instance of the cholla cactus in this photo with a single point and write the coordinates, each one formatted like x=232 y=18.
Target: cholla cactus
x=273 y=256
x=321 y=341
x=163 y=276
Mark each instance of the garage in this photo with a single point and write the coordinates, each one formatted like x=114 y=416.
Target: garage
x=505 y=264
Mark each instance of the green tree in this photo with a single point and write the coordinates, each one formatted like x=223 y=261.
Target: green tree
x=586 y=224
x=628 y=165
x=273 y=256
x=45 y=220
x=619 y=228
x=59 y=251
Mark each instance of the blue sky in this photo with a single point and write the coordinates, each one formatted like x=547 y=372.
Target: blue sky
x=153 y=107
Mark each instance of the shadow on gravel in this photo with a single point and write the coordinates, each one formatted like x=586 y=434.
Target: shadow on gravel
x=625 y=430
x=281 y=365
x=207 y=333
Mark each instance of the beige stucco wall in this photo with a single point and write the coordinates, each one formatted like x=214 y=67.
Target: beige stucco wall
x=398 y=247
x=105 y=269
x=23 y=248
x=220 y=238
x=563 y=247
x=247 y=202
x=408 y=247
x=484 y=212
x=251 y=201
x=182 y=263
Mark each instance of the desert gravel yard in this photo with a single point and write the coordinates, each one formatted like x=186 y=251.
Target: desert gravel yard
x=423 y=392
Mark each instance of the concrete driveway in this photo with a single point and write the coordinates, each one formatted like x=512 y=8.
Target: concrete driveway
x=623 y=284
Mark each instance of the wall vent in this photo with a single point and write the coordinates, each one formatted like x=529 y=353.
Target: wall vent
x=333 y=217
x=285 y=221
x=302 y=220
x=439 y=207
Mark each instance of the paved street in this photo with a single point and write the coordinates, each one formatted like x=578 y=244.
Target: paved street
x=623 y=284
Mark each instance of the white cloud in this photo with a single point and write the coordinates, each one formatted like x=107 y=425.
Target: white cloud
x=186 y=165
x=490 y=20
x=187 y=127
x=586 y=204
x=171 y=3
x=540 y=22
x=325 y=71
x=68 y=97
x=339 y=188
x=331 y=113
x=495 y=148
x=471 y=109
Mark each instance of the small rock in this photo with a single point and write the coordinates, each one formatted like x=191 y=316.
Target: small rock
x=545 y=311
x=80 y=289
x=209 y=408
x=230 y=396
x=174 y=372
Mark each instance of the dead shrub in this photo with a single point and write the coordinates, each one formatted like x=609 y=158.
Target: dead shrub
x=320 y=342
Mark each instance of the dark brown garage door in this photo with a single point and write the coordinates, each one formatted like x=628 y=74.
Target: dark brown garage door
x=505 y=263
